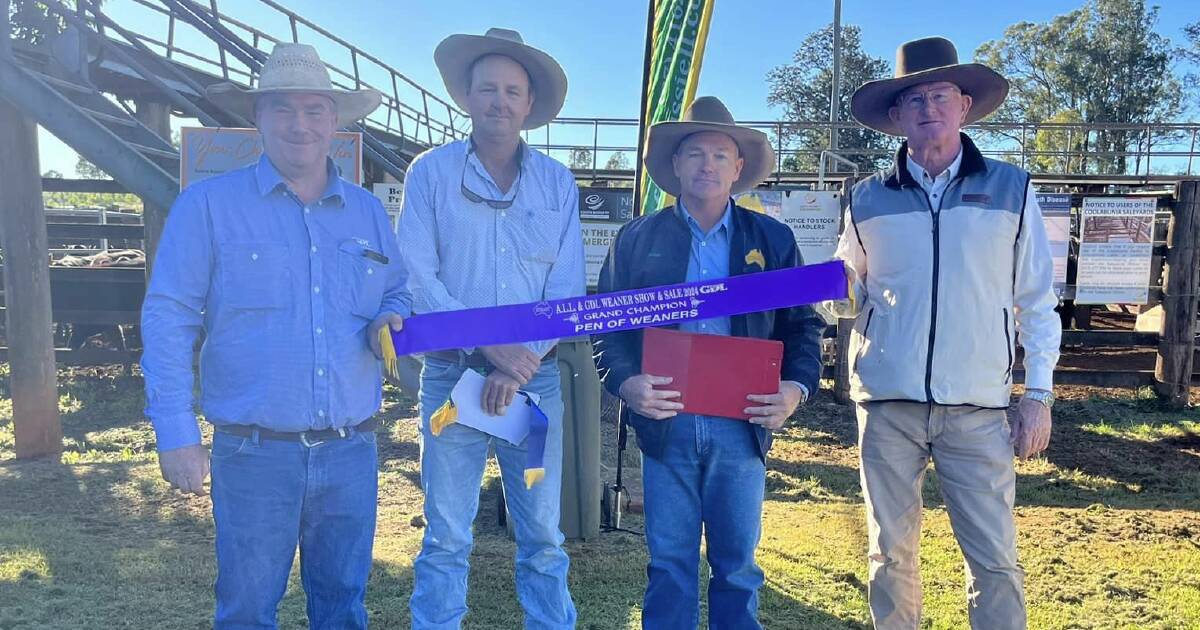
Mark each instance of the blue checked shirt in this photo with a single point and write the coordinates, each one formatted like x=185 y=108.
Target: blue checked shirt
x=283 y=293
x=464 y=254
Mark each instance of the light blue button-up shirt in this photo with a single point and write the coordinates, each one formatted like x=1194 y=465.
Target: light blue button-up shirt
x=465 y=254
x=709 y=259
x=284 y=293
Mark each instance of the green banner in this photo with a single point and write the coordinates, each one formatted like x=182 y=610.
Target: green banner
x=680 y=31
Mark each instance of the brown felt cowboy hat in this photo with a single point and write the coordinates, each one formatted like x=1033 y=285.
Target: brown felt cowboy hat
x=926 y=61
x=456 y=54
x=295 y=68
x=707 y=113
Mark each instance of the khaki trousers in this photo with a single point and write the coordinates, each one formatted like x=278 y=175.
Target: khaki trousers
x=974 y=462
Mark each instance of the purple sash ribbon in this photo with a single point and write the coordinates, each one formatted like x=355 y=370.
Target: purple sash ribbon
x=623 y=310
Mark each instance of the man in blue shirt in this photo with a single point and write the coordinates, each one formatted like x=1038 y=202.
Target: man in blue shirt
x=704 y=473
x=289 y=271
x=489 y=221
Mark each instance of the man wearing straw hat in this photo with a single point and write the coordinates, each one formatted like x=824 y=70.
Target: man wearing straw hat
x=699 y=472
x=288 y=270
x=489 y=221
x=949 y=265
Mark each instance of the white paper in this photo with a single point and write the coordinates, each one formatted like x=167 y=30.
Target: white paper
x=513 y=426
x=1115 y=250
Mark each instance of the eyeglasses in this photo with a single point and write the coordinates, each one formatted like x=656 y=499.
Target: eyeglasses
x=939 y=97
x=494 y=204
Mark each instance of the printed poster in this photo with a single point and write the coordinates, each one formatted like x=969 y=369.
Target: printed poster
x=208 y=151
x=1115 y=250
x=602 y=212
x=391 y=195
x=1056 y=215
x=813 y=215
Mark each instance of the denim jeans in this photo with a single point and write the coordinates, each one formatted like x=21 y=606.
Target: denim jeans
x=709 y=475
x=270 y=495
x=451 y=471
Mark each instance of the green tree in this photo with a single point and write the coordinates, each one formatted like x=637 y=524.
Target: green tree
x=618 y=162
x=802 y=89
x=580 y=158
x=86 y=170
x=1101 y=63
x=32 y=22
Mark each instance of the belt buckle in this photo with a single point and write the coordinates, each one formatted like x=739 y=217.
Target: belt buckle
x=310 y=444
x=341 y=431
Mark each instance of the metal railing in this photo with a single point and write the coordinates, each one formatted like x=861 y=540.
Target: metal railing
x=409 y=111
x=1171 y=149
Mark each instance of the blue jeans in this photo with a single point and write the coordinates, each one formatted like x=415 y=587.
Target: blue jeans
x=270 y=495
x=709 y=475
x=451 y=471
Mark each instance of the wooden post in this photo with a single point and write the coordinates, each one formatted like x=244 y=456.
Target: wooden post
x=1177 y=341
x=156 y=116
x=33 y=377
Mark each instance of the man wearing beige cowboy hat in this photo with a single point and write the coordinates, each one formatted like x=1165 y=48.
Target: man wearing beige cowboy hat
x=949 y=268
x=288 y=270
x=700 y=472
x=489 y=221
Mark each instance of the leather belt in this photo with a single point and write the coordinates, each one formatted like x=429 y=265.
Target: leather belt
x=308 y=438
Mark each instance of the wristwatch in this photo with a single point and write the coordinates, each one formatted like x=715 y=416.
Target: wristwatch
x=1043 y=396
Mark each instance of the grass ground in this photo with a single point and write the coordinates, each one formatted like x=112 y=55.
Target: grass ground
x=1109 y=527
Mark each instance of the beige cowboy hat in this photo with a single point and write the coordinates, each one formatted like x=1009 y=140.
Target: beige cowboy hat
x=455 y=55
x=926 y=61
x=707 y=113
x=295 y=68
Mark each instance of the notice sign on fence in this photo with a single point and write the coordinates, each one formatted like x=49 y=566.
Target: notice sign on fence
x=1056 y=214
x=814 y=217
x=602 y=212
x=1115 y=249
x=208 y=151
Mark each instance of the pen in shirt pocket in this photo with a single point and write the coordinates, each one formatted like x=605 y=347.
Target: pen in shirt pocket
x=374 y=255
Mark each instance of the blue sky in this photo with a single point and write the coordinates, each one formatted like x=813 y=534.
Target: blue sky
x=600 y=42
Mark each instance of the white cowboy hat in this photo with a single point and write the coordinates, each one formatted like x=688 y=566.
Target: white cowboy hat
x=928 y=60
x=707 y=113
x=295 y=68
x=456 y=53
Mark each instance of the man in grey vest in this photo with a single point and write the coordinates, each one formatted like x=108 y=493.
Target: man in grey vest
x=949 y=265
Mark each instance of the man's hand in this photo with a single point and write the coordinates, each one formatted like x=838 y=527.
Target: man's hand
x=498 y=392
x=1030 y=428
x=638 y=392
x=385 y=319
x=185 y=468
x=776 y=408
x=514 y=360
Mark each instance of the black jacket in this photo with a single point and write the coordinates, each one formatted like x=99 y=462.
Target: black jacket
x=653 y=251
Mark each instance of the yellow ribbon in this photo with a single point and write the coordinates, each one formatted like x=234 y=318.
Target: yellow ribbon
x=445 y=416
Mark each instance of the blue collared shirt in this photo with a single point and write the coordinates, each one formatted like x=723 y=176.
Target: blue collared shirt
x=283 y=292
x=466 y=254
x=709 y=259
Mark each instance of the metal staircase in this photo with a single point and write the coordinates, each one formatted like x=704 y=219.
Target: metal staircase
x=78 y=87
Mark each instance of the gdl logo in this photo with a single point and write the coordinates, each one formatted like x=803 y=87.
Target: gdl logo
x=594 y=201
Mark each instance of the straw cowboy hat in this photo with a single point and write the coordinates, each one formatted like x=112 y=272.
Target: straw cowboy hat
x=926 y=61
x=295 y=68
x=455 y=55
x=707 y=113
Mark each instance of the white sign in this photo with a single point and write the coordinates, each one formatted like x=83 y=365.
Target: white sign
x=813 y=215
x=1115 y=250
x=1056 y=216
x=598 y=236
x=208 y=151
x=392 y=198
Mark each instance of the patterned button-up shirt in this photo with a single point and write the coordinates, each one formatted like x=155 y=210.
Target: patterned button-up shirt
x=467 y=254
